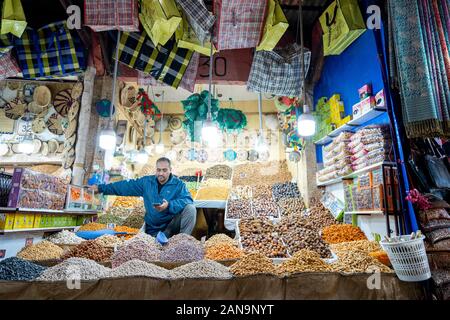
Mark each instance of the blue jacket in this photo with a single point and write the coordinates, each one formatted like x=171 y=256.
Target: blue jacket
x=174 y=191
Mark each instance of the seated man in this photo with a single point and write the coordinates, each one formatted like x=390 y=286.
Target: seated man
x=168 y=203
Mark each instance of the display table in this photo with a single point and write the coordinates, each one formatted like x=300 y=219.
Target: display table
x=309 y=286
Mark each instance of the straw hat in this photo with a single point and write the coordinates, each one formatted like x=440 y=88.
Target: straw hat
x=42 y=96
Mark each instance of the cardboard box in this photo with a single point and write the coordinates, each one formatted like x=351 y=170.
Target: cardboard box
x=356 y=110
x=7 y=221
x=365 y=91
x=20 y=221
x=37 y=220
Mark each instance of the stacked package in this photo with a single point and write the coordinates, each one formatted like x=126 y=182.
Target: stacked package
x=369 y=146
x=337 y=158
x=37 y=190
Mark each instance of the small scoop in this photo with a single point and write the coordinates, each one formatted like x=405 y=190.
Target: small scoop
x=161 y=238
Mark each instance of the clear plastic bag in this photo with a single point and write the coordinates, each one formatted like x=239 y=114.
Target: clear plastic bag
x=364 y=200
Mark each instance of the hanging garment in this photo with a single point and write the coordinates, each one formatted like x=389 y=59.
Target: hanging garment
x=8 y=64
x=51 y=51
x=278 y=72
x=104 y=15
x=239 y=23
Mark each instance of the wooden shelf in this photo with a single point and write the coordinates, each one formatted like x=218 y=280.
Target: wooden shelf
x=364 y=212
x=48 y=211
x=37 y=229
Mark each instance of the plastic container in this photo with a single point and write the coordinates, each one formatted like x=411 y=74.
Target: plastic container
x=408 y=258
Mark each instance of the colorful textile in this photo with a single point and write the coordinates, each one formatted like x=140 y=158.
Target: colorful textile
x=199 y=18
x=239 y=24
x=8 y=65
x=104 y=15
x=278 y=72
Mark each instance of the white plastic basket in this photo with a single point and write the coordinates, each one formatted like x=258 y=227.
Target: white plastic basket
x=408 y=258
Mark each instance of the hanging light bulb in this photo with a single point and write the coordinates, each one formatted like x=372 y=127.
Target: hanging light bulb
x=159 y=149
x=142 y=157
x=107 y=140
x=261 y=144
x=26 y=146
x=209 y=131
x=306 y=125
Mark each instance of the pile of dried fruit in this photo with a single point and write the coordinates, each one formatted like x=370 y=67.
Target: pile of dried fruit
x=44 y=250
x=223 y=251
x=303 y=261
x=91 y=250
x=342 y=233
x=93 y=226
x=252 y=264
x=220 y=238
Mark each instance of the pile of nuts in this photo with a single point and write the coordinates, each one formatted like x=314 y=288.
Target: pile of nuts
x=241 y=192
x=320 y=215
x=127 y=202
x=93 y=226
x=291 y=206
x=361 y=245
x=252 y=174
x=342 y=233
x=65 y=237
x=137 y=249
x=16 y=269
x=285 y=190
x=220 y=238
x=223 y=251
x=138 y=268
x=201 y=269
x=134 y=221
x=44 y=250
x=269 y=244
x=89 y=250
x=110 y=218
x=219 y=171
x=262 y=191
x=252 y=264
x=182 y=251
x=256 y=225
x=108 y=240
x=304 y=238
x=83 y=269
x=239 y=209
x=303 y=261
x=358 y=262
x=265 y=208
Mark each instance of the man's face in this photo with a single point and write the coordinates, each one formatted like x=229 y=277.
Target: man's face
x=163 y=171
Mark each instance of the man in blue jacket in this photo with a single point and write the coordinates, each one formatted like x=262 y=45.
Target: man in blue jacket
x=168 y=203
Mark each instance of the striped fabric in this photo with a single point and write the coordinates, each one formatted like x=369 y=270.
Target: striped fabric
x=199 y=18
x=278 y=72
x=166 y=63
x=240 y=23
x=8 y=65
x=104 y=15
x=51 y=51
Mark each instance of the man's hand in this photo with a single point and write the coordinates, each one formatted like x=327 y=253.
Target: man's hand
x=94 y=188
x=163 y=206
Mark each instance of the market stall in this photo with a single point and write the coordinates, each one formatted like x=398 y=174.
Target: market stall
x=287 y=139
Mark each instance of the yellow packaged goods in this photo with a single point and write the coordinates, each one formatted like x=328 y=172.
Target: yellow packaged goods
x=223 y=251
x=44 y=250
x=342 y=233
x=24 y=221
x=7 y=221
x=92 y=227
x=212 y=193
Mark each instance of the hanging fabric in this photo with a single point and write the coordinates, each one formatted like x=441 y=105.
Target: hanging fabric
x=160 y=19
x=51 y=51
x=13 y=18
x=199 y=18
x=276 y=25
x=166 y=63
x=342 y=23
x=8 y=64
x=278 y=72
x=189 y=77
x=239 y=23
x=190 y=40
x=420 y=39
x=105 y=15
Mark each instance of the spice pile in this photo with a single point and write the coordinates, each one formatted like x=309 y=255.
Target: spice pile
x=138 y=268
x=201 y=269
x=342 y=233
x=16 y=269
x=303 y=261
x=131 y=231
x=110 y=218
x=212 y=193
x=65 y=237
x=89 y=250
x=75 y=268
x=44 y=250
x=252 y=264
x=182 y=251
x=223 y=251
x=137 y=249
x=219 y=171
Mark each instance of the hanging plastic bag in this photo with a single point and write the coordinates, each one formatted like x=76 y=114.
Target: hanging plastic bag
x=190 y=41
x=276 y=25
x=342 y=23
x=160 y=19
x=13 y=18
